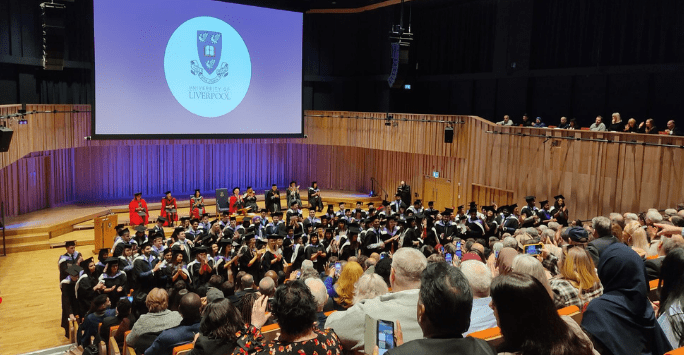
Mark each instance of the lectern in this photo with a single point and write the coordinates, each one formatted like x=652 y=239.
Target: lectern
x=105 y=231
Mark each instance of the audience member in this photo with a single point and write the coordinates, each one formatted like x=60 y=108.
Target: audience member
x=648 y=127
x=616 y=124
x=666 y=245
x=407 y=266
x=603 y=237
x=635 y=236
x=528 y=264
x=246 y=286
x=320 y=294
x=295 y=308
x=444 y=307
x=578 y=282
x=342 y=292
x=183 y=333
x=267 y=287
x=99 y=310
x=122 y=319
x=622 y=320
x=541 y=331
x=672 y=129
x=598 y=125
x=221 y=328
x=150 y=325
x=671 y=289
x=369 y=286
x=479 y=278
x=505 y=260
x=506 y=121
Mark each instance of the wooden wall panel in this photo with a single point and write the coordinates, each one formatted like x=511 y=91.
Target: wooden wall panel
x=50 y=163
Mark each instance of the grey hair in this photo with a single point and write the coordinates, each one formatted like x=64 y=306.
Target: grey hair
x=671 y=212
x=532 y=232
x=479 y=276
x=602 y=226
x=369 y=286
x=631 y=217
x=554 y=225
x=510 y=242
x=528 y=264
x=408 y=264
x=307 y=265
x=654 y=216
x=318 y=290
x=549 y=233
x=497 y=246
x=617 y=218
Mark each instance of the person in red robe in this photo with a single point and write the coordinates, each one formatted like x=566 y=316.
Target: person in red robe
x=137 y=210
x=235 y=203
x=197 y=205
x=169 y=209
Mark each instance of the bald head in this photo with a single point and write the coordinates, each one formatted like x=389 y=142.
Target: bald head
x=189 y=307
x=247 y=281
x=273 y=275
x=318 y=290
x=267 y=287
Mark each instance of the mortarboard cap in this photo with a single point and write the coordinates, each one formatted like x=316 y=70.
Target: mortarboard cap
x=127 y=246
x=488 y=208
x=461 y=207
x=359 y=203
x=430 y=203
x=71 y=243
x=558 y=197
x=417 y=202
x=385 y=203
x=119 y=226
x=199 y=249
x=542 y=203
x=141 y=228
x=167 y=192
x=273 y=236
x=183 y=219
x=137 y=194
x=276 y=214
x=529 y=198
x=74 y=270
x=370 y=204
x=227 y=241
x=512 y=207
x=84 y=264
x=113 y=259
x=472 y=210
x=161 y=219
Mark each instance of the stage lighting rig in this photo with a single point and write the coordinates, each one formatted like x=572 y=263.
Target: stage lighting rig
x=400 y=42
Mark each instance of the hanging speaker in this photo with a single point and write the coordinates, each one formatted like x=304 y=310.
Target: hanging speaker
x=449 y=135
x=5 y=138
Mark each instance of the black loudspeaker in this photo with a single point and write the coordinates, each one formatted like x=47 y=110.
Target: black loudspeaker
x=5 y=138
x=449 y=135
x=53 y=36
x=400 y=65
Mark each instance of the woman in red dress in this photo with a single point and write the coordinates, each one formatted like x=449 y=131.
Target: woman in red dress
x=137 y=210
x=169 y=209
x=197 y=205
x=235 y=202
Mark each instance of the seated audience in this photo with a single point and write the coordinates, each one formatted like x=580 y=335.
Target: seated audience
x=150 y=325
x=295 y=309
x=123 y=320
x=369 y=286
x=407 y=266
x=578 y=282
x=616 y=124
x=666 y=245
x=538 y=123
x=635 y=236
x=564 y=124
x=672 y=129
x=320 y=294
x=221 y=328
x=506 y=121
x=267 y=287
x=622 y=320
x=182 y=334
x=99 y=310
x=541 y=331
x=671 y=289
x=530 y=265
x=444 y=305
x=631 y=126
x=648 y=127
x=247 y=286
x=342 y=292
x=479 y=278
x=504 y=261
x=603 y=237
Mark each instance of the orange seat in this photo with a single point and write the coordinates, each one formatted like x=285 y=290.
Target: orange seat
x=585 y=129
x=652 y=257
x=572 y=312
x=270 y=332
x=679 y=351
x=183 y=349
x=492 y=336
x=327 y=314
x=653 y=290
x=653 y=284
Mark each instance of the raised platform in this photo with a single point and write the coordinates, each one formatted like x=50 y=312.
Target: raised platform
x=52 y=227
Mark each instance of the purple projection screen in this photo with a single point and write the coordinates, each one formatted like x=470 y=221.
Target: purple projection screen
x=201 y=68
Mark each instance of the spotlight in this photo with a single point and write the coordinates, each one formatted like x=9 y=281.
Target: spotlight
x=23 y=121
x=388 y=120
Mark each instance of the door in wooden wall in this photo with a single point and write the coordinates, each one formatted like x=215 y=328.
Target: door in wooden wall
x=439 y=190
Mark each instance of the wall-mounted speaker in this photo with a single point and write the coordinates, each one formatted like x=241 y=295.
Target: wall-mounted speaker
x=449 y=135
x=5 y=138
x=53 y=35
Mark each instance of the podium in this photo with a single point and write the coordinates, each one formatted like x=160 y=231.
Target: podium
x=105 y=231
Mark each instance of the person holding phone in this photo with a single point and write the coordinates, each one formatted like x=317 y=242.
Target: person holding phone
x=445 y=301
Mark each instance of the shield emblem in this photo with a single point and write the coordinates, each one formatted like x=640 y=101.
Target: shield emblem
x=209 y=49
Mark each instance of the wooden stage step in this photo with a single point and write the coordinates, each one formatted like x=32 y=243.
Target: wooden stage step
x=27 y=238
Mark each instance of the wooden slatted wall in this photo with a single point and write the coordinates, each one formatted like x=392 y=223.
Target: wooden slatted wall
x=50 y=163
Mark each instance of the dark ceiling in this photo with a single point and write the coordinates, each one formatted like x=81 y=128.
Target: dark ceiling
x=305 y=5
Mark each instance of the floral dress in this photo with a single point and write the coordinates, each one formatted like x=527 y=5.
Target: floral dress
x=325 y=343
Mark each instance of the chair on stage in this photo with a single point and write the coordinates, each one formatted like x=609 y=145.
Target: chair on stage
x=222 y=203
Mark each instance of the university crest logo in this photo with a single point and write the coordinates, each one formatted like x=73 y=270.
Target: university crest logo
x=209 y=45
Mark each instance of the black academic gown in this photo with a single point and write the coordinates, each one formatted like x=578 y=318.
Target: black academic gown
x=117 y=280
x=273 y=201
x=85 y=293
x=143 y=277
x=266 y=263
x=70 y=304
x=198 y=280
x=255 y=269
x=311 y=250
x=411 y=235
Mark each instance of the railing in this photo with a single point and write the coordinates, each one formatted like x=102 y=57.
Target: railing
x=373 y=182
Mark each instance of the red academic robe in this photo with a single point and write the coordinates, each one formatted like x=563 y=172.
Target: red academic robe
x=234 y=204
x=135 y=218
x=196 y=213
x=170 y=217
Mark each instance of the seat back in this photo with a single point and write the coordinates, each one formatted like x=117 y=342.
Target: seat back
x=679 y=351
x=653 y=290
x=573 y=312
x=492 y=336
x=222 y=201
x=183 y=349
x=270 y=332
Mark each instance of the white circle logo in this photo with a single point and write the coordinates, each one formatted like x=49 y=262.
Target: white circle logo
x=207 y=66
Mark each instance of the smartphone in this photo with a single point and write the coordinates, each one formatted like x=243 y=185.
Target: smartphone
x=441 y=250
x=533 y=249
x=458 y=250
x=385 y=336
x=338 y=268
x=382 y=256
x=449 y=258
x=496 y=254
x=299 y=273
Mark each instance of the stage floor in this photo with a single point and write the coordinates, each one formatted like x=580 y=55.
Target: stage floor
x=30 y=310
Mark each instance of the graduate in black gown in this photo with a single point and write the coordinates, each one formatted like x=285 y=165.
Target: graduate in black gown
x=249 y=257
x=315 y=252
x=70 y=306
x=474 y=226
x=350 y=244
x=87 y=286
x=199 y=269
x=315 y=201
x=272 y=258
x=114 y=280
x=412 y=236
x=559 y=211
x=71 y=257
x=162 y=278
x=144 y=268
x=273 y=199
